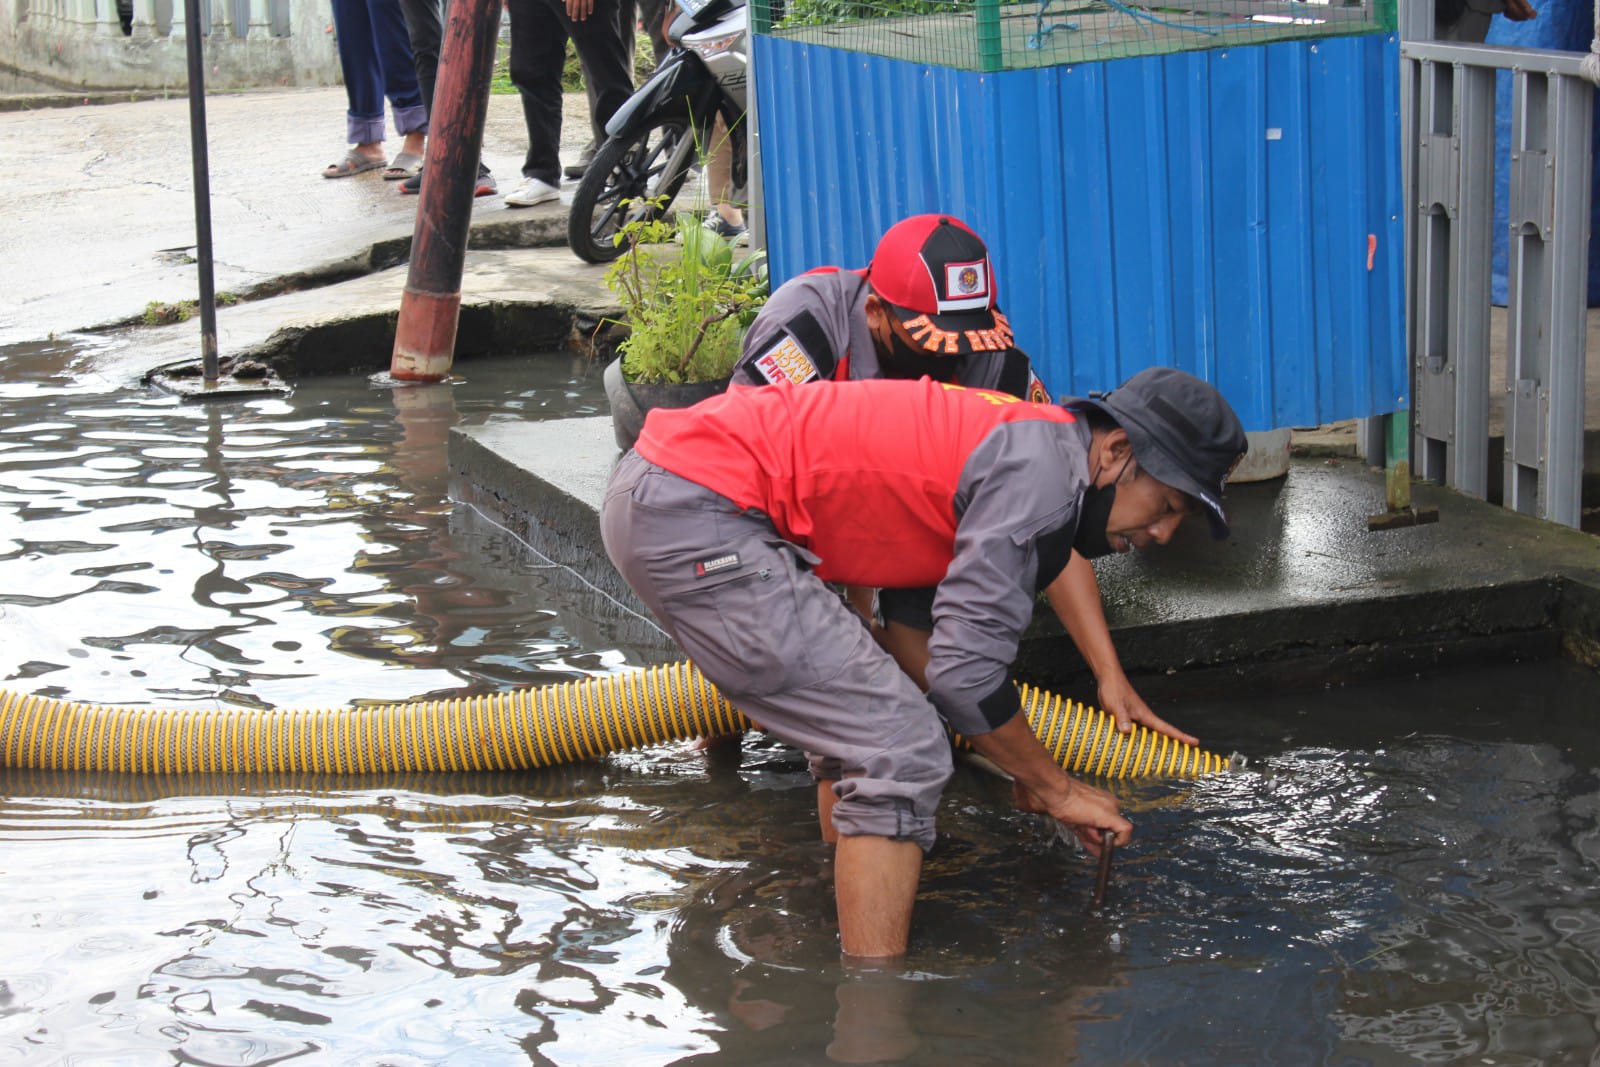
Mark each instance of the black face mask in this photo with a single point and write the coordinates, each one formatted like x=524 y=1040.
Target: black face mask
x=1094 y=516
x=904 y=360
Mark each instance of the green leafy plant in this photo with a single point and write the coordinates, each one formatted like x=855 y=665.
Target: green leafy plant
x=687 y=296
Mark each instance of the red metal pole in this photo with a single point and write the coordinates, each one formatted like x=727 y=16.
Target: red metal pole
x=425 y=337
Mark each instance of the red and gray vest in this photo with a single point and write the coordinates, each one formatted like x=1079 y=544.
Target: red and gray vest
x=898 y=484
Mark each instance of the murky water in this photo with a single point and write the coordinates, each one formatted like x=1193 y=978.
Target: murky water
x=268 y=552
x=1412 y=880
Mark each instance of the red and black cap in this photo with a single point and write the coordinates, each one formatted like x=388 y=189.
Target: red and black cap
x=934 y=273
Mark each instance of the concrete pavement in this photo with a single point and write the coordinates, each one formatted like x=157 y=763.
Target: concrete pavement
x=99 y=217
x=1302 y=593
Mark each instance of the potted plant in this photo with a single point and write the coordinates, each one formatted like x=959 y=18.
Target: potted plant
x=687 y=300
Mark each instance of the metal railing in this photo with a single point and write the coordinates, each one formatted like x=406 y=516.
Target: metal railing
x=1448 y=131
x=157 y=18
x=138 y=44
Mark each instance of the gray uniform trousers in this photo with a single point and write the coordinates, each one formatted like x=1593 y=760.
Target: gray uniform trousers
x=784 y=648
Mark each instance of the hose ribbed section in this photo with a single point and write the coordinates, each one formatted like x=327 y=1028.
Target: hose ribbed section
x=518 y=730
x=1085 y=740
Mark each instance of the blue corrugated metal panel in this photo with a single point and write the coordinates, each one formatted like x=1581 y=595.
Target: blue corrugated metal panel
x=1207 y=210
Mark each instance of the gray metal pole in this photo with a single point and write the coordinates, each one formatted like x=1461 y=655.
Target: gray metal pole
x=202 y=188
x=756 y=211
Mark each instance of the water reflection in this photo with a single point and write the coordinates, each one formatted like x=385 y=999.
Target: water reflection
x=269 y=552
x=1372 y=898
x=1410 y=880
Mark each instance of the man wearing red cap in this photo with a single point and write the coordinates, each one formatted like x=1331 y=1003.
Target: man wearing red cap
x=729 y=517
x=926 y=306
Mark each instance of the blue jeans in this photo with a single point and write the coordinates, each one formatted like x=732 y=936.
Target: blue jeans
x=375 y=53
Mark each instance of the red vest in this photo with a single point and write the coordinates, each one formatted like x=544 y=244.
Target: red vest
x=864 y=474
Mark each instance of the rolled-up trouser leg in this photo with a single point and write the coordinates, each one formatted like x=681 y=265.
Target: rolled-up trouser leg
x=781 y=645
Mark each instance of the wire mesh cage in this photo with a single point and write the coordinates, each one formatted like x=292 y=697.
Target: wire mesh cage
x=991 y=35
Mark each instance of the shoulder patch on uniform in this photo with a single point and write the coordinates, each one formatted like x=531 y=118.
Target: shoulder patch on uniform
x=783 y=361
x=1037 y=393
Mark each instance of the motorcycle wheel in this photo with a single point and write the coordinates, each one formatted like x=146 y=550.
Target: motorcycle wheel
x=625 y=169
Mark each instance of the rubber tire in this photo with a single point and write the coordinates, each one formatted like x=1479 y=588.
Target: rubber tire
x=613 y=176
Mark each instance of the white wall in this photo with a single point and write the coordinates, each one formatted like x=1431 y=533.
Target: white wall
x=79 y=44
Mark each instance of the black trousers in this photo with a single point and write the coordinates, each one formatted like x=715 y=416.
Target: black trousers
x=630 y=13
x=539 y=33
x=425 y=27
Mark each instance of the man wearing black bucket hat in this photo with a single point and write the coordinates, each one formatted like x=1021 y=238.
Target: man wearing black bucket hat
x=729 y=519
x=926 y=305
x=1175 y=435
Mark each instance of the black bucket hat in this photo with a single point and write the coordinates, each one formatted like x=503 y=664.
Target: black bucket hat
x=1182 y=431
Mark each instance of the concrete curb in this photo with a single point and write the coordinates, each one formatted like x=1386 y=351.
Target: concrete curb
x=1302 y=594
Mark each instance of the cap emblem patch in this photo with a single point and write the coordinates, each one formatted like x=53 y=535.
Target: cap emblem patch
x=966 y=286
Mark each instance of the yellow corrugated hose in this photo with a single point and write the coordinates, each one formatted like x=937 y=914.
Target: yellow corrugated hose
x=517 y=730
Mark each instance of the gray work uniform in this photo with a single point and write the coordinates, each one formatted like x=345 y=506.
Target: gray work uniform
x=817 y=322
x=740 y=597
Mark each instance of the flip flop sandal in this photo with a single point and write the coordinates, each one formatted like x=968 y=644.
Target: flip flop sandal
x=404 y=166
x=352 y=163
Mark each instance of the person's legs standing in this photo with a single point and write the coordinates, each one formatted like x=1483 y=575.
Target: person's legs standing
x=425 y=31
x=784 y=648
x=627 y=23
x=650 y=12
x=392 y=43
x=363 y=88
x=727 y=216
x=425 y=28
x=605 y=57
x=538 y=49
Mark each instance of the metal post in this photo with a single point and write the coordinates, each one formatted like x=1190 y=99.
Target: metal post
x=991 y=56
x=1551 y=166
x=755 y=193
x=202 y=188
x=430 y=307
x=1453 y=189
x=1397 y=464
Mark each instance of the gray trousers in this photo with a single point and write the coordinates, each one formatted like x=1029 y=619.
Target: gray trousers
x=743 y=604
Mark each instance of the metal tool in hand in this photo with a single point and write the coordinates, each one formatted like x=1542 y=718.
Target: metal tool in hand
x=1108 y=845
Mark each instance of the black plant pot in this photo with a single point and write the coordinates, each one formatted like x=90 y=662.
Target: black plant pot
x=631 y=401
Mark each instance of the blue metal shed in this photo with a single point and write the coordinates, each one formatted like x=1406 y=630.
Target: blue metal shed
x=1234 y=212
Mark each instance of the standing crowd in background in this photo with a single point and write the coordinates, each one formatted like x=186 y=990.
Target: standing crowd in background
x=389 y=50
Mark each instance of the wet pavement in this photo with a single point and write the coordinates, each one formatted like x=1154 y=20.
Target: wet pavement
x=1301 y=594
x=99 y=218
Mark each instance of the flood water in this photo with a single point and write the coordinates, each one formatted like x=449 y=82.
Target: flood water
x=1410 y=878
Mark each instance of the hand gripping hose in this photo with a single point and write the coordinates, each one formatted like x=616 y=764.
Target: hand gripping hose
x=517 y=730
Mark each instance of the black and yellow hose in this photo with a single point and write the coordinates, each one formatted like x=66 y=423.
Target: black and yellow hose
x=517 y=730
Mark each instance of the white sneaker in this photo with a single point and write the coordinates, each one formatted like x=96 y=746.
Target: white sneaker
x=532 y=191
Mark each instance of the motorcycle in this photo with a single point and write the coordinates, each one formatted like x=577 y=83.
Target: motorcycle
x=665 y=127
